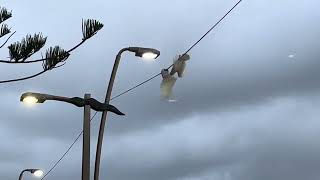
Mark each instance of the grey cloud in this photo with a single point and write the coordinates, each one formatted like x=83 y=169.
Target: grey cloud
x=226 y=145
x=241 y=65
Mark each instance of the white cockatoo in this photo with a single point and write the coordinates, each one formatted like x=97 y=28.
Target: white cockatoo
x=167 y=84
x=169 y=79
x=179 y=64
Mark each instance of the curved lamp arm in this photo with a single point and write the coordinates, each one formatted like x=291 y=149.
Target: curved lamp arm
x=148 y=53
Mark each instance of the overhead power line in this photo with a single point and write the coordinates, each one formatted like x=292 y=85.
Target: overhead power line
x=196 y=43
x=67 y=151
x=138 y=85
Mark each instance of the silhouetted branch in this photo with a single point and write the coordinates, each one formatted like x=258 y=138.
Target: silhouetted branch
x=20 y=51
x=4 y=15
x=39 y=60
x=24 y=78
x=54 y=56
x=7 y=40
x=90 y=27
x=59 y=65
x=4 y=30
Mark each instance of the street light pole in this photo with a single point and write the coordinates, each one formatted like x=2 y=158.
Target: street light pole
x=141 y=52
x=86 y=141
x=104 y=114
x=87 y=102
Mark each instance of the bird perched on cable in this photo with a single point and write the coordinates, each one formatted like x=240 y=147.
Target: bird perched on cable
x=167 y=83
x=169 y=79
x=179 y=64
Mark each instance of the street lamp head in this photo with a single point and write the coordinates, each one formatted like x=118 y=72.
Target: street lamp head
x=145 y=53
x=37 y=172
x=149 y=55
x=32 y=98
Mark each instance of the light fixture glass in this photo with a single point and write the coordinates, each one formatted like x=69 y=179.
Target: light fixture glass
x=38 y=173
x=149 y=55
x=30 y=100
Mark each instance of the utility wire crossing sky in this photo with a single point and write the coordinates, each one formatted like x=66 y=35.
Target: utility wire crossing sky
x=245 y=109
x=77 y=138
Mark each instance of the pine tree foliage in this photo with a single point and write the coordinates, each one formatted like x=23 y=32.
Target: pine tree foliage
x=4 y=14
x=54 y=55
x=20 y=51
x=90 y=27
x=4 y=30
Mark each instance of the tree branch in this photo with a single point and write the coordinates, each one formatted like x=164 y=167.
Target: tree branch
x=76 y=46
x=20 y=51
x=89 y=28
x=42 y=59
x=4 y=14
x=24 y=78
x=4 y=30
x=7 y=39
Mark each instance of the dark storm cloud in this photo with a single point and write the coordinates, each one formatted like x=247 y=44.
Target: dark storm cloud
x=273 y=144
x=242 y=64
x=226 y=145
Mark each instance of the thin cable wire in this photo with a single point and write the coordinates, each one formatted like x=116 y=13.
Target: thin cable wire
x=64 y=154
x=215 y=25
x=135 y=86
x=140 y=84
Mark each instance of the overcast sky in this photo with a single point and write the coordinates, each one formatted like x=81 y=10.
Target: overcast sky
x=247 y=106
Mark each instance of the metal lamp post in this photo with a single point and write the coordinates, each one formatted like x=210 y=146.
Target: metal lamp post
x=87 y=102
x=36 y=172
x=146 y=53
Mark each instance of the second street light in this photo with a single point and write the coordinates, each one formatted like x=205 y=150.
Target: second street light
x=36 y=172
x=87 y=102
x=32 y=98
x=145 y=53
